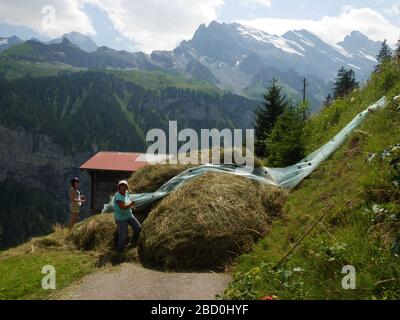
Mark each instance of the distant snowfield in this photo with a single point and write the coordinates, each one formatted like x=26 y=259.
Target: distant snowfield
x=367 y=56
x=3 y=42
x=261 y=36
x=354 y=66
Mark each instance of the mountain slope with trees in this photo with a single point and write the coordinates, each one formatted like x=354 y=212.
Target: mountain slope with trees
x=92 y=111
x=231 y=57
x=345 y=214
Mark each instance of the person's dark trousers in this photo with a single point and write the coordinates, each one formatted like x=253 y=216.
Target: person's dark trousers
x=123 y=231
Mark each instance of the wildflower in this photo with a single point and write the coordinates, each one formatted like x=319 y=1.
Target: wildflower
x=269 y=298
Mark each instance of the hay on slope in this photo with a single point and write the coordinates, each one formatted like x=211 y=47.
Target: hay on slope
x=97 y=233
x=207 y=221
x=232 y=153
x=152 y=177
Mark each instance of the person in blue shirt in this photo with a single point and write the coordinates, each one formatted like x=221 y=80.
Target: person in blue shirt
x=123 y=215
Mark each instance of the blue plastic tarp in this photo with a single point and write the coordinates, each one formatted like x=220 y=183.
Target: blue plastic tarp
x=288 y=177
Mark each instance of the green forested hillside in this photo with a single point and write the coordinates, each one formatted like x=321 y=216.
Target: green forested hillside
x=345 y=213
x=95 y=110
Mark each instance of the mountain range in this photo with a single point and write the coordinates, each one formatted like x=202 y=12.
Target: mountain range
x=231 y=57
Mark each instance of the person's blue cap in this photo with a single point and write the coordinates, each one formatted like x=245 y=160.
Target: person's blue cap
x=76 y=179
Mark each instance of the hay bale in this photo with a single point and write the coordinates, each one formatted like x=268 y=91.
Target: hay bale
x=152 y=177
x=46 y=242
x=207 y=221
x=98 y=233
x=196 y=157
x=57 y=239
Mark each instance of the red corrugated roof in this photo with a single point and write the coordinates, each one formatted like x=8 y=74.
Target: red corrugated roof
x=115 y=161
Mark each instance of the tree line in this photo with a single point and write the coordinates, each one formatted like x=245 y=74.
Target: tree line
x=95 y=111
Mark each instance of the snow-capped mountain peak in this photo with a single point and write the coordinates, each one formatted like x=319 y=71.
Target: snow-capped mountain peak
x=81 y=41
x=264 y=37
x=357 y=41
x=6 y=43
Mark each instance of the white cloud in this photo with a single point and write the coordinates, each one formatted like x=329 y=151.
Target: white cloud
x=69 y=16
x=266 y=3
x=151 y=24
x=334 y=29
x=159 y=24
x=162 y=24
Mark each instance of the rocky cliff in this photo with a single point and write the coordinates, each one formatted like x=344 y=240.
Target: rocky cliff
x=36 y=161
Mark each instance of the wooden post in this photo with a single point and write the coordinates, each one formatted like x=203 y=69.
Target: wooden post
x=93 y=191
x=304 y=90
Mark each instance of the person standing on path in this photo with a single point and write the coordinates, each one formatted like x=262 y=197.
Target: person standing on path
x=76 y=201
x=123 y=216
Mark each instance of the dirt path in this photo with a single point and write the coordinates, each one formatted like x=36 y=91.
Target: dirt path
x=133 y=282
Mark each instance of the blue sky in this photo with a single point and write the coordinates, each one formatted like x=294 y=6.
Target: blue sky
x=161 y=24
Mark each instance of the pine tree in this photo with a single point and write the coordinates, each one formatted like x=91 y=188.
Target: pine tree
x=304 y=109
x=350 y=81
x=328 y=101
x=274 y=106
x=339 y=89
x=286 y=142
x=384 y=55
x=344 y=83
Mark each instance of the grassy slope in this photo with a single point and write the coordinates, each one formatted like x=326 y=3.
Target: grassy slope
x=16 y=62
x=346 y=187
x=257 y=92
x=22 y=277
x=154 y=80
x=12 y=69
x=21 y=267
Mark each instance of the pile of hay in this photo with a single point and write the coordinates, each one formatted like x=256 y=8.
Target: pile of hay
x=207 y=222
x=232 y=153
x=97 y=233
x=152 y=177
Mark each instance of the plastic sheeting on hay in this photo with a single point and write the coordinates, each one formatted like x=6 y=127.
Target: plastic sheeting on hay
x=288 y=177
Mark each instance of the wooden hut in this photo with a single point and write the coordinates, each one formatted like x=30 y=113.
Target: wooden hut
x=106 y=169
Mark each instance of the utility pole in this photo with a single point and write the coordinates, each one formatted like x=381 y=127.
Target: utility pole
x=304 y=90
